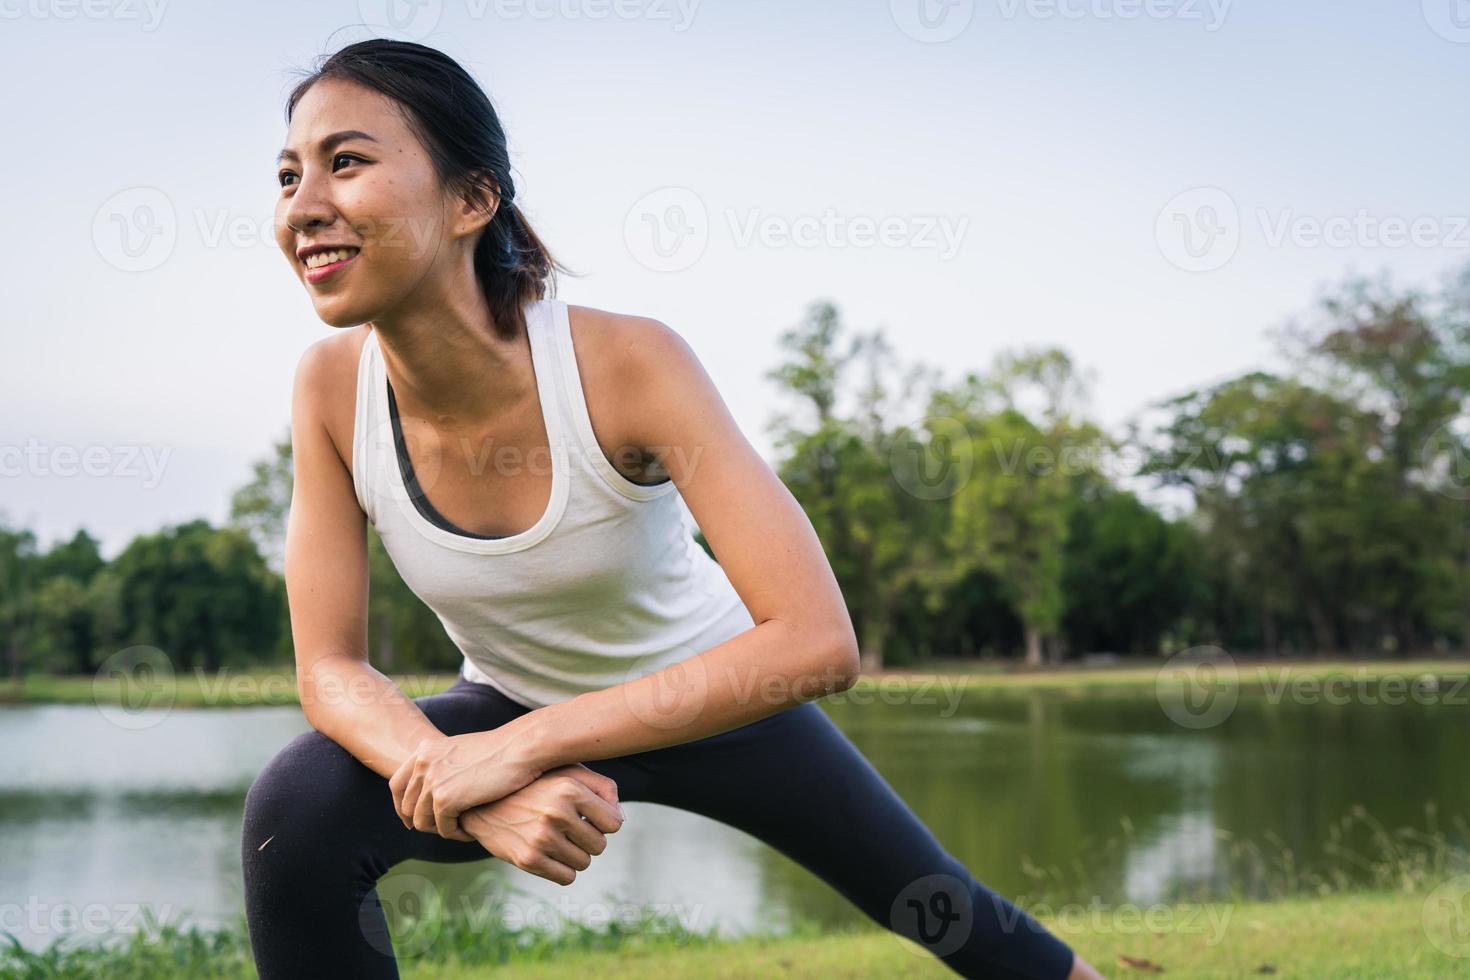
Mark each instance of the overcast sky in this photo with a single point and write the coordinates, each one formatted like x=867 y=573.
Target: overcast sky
x=1148 y=184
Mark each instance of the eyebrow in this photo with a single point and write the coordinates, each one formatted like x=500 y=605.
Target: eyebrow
x=328 y=143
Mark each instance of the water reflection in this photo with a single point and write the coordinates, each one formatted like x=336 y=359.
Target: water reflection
x=1096 y=795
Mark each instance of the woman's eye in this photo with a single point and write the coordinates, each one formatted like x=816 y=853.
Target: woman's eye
x=285 y=177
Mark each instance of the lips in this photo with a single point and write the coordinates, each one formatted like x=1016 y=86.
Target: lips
x=323 y=262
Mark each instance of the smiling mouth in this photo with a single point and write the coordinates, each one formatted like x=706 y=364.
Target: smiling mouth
x=319 y=265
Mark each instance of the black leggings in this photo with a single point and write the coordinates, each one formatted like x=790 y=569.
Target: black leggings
x=792 y=779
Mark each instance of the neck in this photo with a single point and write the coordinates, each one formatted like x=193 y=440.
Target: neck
x=443 y=357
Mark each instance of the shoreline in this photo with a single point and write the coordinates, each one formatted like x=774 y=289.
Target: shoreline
x=1447 y=677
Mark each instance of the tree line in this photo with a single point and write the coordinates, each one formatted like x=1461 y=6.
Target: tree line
x=1320 y=508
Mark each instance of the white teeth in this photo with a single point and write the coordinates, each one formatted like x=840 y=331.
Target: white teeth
x=320 y=259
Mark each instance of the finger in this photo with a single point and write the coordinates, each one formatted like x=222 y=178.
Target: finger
x=587 y=837
x=595 y=781
x=411 y=793
x=423 y=812
x=565 y=852
x=599 y=813
x=396 y=782
x=446 y=821
x=398 y=785
x=545 y=867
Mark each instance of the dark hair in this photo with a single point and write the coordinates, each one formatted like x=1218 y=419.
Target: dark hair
x=454 y=119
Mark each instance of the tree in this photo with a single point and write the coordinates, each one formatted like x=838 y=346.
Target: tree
x=1330 y=496
x=1009 y=515
x=202 y=595
x=262 y=506
x=403 y=633
x=18 y=575
x=875 y=532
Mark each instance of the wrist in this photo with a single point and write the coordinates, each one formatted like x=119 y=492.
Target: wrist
x=533 y=745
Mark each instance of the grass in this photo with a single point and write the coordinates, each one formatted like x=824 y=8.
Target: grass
x=1410 y=918
x=1343 y=936
x=234 y=687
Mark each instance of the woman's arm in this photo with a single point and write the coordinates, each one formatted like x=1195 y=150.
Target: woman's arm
x=342 y=695
x=801 y=647
x=538 y=827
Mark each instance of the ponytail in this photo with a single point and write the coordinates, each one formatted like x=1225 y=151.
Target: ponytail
x=514 y=267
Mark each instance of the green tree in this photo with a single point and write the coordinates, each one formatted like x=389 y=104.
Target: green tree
x=1129 y=577
x=202 y=595
x=1009 y=515
x=64 y=636
x=18 y=576
x=878 y=535
x=403 y=633
x=262 y=506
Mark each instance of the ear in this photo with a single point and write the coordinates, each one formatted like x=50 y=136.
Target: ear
x=477 y=204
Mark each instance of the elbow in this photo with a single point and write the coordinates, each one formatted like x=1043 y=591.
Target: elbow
x=843 y=658
x=314 y=688
x=307 y=700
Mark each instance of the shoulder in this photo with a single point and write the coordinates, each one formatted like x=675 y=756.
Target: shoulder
x=641 y=358
x=643 y=378
x=638 y=359
x=324 y=391
x=624 y=342
x=634 y=369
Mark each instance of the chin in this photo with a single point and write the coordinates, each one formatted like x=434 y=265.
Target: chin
x=337 y=313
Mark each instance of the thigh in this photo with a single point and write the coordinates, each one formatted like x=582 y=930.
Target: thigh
x=796 y=782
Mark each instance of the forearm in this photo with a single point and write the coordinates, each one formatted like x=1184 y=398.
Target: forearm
x=361 y=709
x=762 y=671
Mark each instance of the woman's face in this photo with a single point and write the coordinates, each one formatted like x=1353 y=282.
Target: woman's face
x=359 y=193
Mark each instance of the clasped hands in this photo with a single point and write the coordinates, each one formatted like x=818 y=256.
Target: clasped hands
x=446 y=775
x=477 y=787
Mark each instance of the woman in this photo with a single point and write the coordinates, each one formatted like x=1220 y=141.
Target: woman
x=520 y=458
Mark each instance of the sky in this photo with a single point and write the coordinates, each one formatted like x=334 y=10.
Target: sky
x=1150 y=185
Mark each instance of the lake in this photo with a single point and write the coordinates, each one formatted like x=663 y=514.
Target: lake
x=1063 y=793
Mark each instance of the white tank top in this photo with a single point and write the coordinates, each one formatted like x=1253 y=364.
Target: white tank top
x=609 y=585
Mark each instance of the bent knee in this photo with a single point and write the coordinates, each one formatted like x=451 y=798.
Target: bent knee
x=310 y=785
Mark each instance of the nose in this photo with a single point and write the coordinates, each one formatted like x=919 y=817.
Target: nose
x=310 y=208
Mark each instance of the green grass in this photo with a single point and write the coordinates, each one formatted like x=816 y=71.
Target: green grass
x=232 y=687
x=1344 y=936
x=1249 y=675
